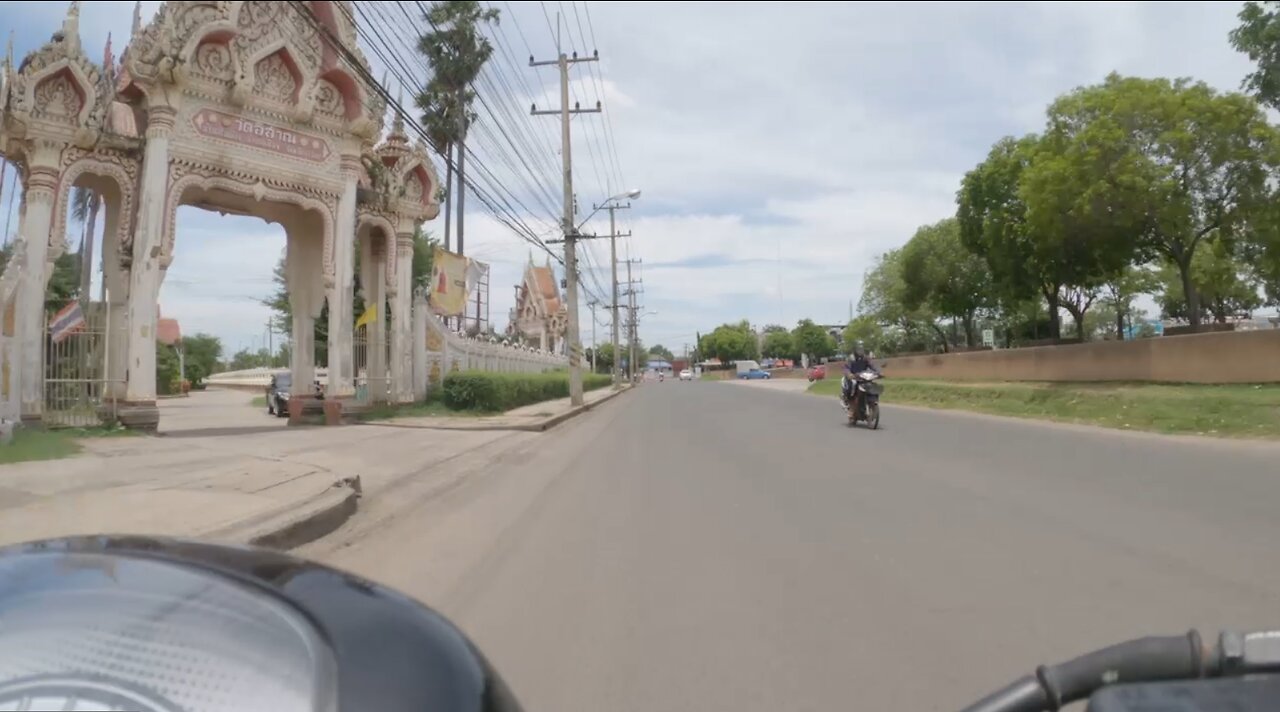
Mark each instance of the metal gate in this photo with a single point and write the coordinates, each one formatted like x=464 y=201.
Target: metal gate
x=368 y=386
x=75 y=375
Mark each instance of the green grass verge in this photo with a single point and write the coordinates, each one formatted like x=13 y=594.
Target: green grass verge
x=259 y=402
x=31 y=444
x=1242 y=411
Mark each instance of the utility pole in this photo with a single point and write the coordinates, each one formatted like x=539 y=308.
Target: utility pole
x=570 y=232
x=592 y=304
x=613 y=260
x=631 y=323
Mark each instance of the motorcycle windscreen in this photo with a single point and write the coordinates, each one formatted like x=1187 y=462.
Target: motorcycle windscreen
x=90 y=631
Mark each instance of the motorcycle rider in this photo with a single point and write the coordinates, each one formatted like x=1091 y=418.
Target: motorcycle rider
x=856 y=363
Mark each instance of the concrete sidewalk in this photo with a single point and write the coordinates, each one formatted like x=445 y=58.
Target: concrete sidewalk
x=224 y=471
x=530 y=418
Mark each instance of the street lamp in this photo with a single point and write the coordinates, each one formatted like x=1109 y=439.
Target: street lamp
x=632 y=194
x=612 y=205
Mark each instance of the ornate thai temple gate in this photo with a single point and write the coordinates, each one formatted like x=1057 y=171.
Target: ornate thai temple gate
x=239 y=107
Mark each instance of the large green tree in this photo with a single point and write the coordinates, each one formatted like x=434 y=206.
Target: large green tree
x=939 y=271
x=884 y=300
x=1258 y=35
x=202 y=353
x=729 y=342
x=662 y=352
x=1024 y=212
x=457 y=51
x=1227 y=287
x=813 y=340
x=1121 y=292
x=1167 y=163
x=867 y=331
x=778 y=344
x=992 y=216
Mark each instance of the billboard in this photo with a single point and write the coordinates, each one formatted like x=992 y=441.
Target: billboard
x=448 y=283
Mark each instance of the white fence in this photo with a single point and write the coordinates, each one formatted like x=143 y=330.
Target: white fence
x=438 y=351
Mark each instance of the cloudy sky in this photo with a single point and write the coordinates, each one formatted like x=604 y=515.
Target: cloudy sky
x=779 y=148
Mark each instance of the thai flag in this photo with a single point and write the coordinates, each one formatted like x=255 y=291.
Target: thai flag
x=67 y=321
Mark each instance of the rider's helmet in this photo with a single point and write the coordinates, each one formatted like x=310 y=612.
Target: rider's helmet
x=859 y=351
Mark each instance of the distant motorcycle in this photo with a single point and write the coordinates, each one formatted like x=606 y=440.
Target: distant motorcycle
x=866 y=399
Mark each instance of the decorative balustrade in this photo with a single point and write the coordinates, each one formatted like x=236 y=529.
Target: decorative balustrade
x=439 y=350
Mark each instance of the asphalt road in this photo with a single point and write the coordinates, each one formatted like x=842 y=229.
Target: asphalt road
x=707 y=546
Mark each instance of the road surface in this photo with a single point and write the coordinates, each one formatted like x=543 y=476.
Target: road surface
x=709 y=546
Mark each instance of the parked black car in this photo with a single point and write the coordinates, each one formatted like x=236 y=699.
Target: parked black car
x=278 y=394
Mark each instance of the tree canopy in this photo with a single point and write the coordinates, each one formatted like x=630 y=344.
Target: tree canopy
x=939 y=272
x=778 y=344
x=662 y=352
x=730 y=342
x=813 y=340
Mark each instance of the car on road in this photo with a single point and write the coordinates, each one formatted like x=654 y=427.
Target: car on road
x=817 y=373
x=754 y=374
x=278 y=394
x=686 y=375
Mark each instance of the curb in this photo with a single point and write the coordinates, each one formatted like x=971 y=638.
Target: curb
x=555 y=420
x=535 y=427
x=299 y=524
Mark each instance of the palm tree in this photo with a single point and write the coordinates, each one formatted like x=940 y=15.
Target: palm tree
x=456 y=51
x=84 y=210
x=437 y=120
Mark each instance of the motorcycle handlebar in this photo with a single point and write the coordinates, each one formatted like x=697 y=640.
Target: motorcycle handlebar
x=1142 y=660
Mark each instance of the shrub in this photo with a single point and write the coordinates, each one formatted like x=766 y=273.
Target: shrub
x=480 y=390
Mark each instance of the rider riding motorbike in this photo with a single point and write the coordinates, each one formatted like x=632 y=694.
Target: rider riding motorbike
x=856 y=363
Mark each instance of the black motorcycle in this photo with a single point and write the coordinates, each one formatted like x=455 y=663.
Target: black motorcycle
x=162 y=625
x=1155 y=674
x=165 y=625
x=865 y=406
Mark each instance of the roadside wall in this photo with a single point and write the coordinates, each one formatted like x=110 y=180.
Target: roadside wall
x=1231 y=357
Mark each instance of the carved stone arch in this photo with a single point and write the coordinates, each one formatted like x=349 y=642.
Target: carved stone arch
x=210 y=55
x=205 y=181
x=350 y=91
x=85 y=87
x=221 y=31
x=268 y=87
x=78 y=163
x=419 y=175
x=383 y=223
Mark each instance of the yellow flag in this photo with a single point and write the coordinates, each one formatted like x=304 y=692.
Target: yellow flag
x=368 y=316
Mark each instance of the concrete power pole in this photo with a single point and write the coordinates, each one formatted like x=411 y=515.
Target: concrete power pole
x=613 y=260
x=570 y=232
x=592 y=304
x=631 y=323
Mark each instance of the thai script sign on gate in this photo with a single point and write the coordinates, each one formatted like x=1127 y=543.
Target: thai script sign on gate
x=216 y=124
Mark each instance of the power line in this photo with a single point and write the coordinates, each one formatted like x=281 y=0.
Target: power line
x=498 y=207
x=521 y=137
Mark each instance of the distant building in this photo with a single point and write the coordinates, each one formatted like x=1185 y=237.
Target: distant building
x=540 y=314
x=167 y=330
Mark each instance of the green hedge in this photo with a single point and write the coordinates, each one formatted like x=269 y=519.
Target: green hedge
x=480 y=390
